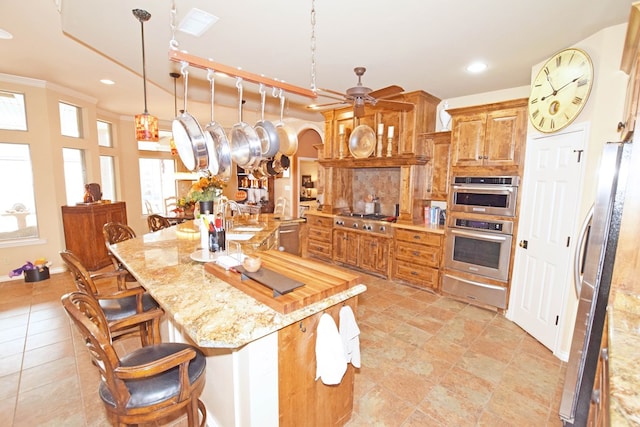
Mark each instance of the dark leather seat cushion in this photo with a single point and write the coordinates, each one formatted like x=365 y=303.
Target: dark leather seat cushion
x=149 y=391
x=116 y=309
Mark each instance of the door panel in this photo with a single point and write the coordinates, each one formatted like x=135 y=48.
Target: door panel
x=548 y=220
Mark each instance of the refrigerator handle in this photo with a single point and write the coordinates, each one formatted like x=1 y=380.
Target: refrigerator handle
x=581 y=248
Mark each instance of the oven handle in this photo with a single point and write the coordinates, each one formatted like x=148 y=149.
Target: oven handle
x=581 y=248
x=484 y=188
x=484 y=236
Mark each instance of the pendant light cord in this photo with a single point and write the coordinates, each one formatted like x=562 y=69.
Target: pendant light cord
x=143 y=16
x=313 y=45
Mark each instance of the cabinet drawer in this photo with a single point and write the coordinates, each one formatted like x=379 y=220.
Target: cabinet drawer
x=320 y=234
x=418 y=254
x=320 y=249
x=420 y=237
x=319 y=221
x=424 y=277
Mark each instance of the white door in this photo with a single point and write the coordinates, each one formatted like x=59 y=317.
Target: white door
x=545 y=241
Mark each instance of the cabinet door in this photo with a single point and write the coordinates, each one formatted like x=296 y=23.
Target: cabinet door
x=340 y=245
x=374 y=254
x=504 y=136
x=467 y=142
x=440 y=171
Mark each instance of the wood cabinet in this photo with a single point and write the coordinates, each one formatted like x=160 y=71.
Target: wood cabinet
x=302 y=400
x=438 y=146
x=631 y=65
x=374 y=254
x=346 y=246
x=491 y=135
x=362 y=250
x=417 y=257
x=83 y=230
x=408 y=125
x=319 y=236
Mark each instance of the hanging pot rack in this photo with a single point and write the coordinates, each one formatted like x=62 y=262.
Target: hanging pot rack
x=206 y=64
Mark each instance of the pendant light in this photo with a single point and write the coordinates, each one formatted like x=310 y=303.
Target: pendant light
x=146 y=124
x=172 y=143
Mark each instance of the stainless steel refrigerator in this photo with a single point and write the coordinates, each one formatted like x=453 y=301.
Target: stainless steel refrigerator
x=597 y=268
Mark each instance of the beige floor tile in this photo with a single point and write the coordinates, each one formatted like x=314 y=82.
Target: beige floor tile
x=427 y=360
x=47 y=353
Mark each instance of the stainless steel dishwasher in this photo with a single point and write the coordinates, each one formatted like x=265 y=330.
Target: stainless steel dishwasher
x=289 y=237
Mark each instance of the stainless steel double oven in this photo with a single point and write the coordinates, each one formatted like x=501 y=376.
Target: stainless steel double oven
x=479 y=237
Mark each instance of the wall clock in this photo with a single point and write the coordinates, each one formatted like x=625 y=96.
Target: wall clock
x=560 y=90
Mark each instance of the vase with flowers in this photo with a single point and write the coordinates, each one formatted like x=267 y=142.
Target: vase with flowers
x=184 y=207
x=205 y=191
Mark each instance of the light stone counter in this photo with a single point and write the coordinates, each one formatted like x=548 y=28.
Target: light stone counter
x=210 y=311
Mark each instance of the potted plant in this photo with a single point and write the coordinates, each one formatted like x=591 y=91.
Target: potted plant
x=205 y=191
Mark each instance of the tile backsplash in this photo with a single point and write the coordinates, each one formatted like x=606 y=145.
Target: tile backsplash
x=383 y=183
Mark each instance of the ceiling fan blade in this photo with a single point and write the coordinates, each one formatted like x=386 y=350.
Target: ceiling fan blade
x=358 y=110
x=321 y=106
x=386 y=92
x=394 y=105
x=331 y=92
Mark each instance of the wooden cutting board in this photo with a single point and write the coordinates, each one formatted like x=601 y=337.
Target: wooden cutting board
x=320 y=280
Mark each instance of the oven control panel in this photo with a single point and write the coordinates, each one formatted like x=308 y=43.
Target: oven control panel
x=502 y=227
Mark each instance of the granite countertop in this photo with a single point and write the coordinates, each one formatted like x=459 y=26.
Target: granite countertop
x=212 y=312
x=624 y=356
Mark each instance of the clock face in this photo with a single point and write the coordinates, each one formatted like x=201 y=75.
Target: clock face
x=560 y=90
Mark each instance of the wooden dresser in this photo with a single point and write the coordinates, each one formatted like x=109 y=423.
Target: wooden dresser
x=83 y=230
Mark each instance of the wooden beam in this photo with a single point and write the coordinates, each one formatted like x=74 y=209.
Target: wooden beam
x=205 y=64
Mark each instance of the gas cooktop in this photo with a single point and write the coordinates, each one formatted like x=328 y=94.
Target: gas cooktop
x=375 y=217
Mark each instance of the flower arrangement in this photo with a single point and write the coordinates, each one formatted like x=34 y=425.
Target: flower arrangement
x=208 y=187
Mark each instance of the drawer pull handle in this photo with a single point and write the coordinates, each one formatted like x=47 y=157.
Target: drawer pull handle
x=416 y=236
x=414 y=273
x=416 y=253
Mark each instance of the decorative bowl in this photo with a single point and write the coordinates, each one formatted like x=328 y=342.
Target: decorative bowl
x=252 y=264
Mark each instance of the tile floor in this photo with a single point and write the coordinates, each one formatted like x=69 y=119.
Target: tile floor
x=426 y=361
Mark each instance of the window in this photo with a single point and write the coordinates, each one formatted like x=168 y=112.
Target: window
x=74 y=175
x=18 y=218
x=70 y=120
x=104 y=134
x=12 y=113
x=164 y=144
x=107 y=176
x=157 y=183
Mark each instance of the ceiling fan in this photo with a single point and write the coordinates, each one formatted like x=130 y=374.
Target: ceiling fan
x=360 y=95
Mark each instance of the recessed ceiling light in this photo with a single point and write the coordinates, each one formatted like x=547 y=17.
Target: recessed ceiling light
x=4 y=34
x=107 y=82
x=196 y=22
x=476 y=67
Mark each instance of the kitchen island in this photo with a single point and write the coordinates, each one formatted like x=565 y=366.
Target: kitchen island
x=260 y=362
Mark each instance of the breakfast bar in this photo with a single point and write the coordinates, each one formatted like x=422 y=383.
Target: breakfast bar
x=260 y=359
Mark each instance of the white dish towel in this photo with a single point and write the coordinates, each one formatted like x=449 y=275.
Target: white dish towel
x=350 y=335
x=330 y=362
